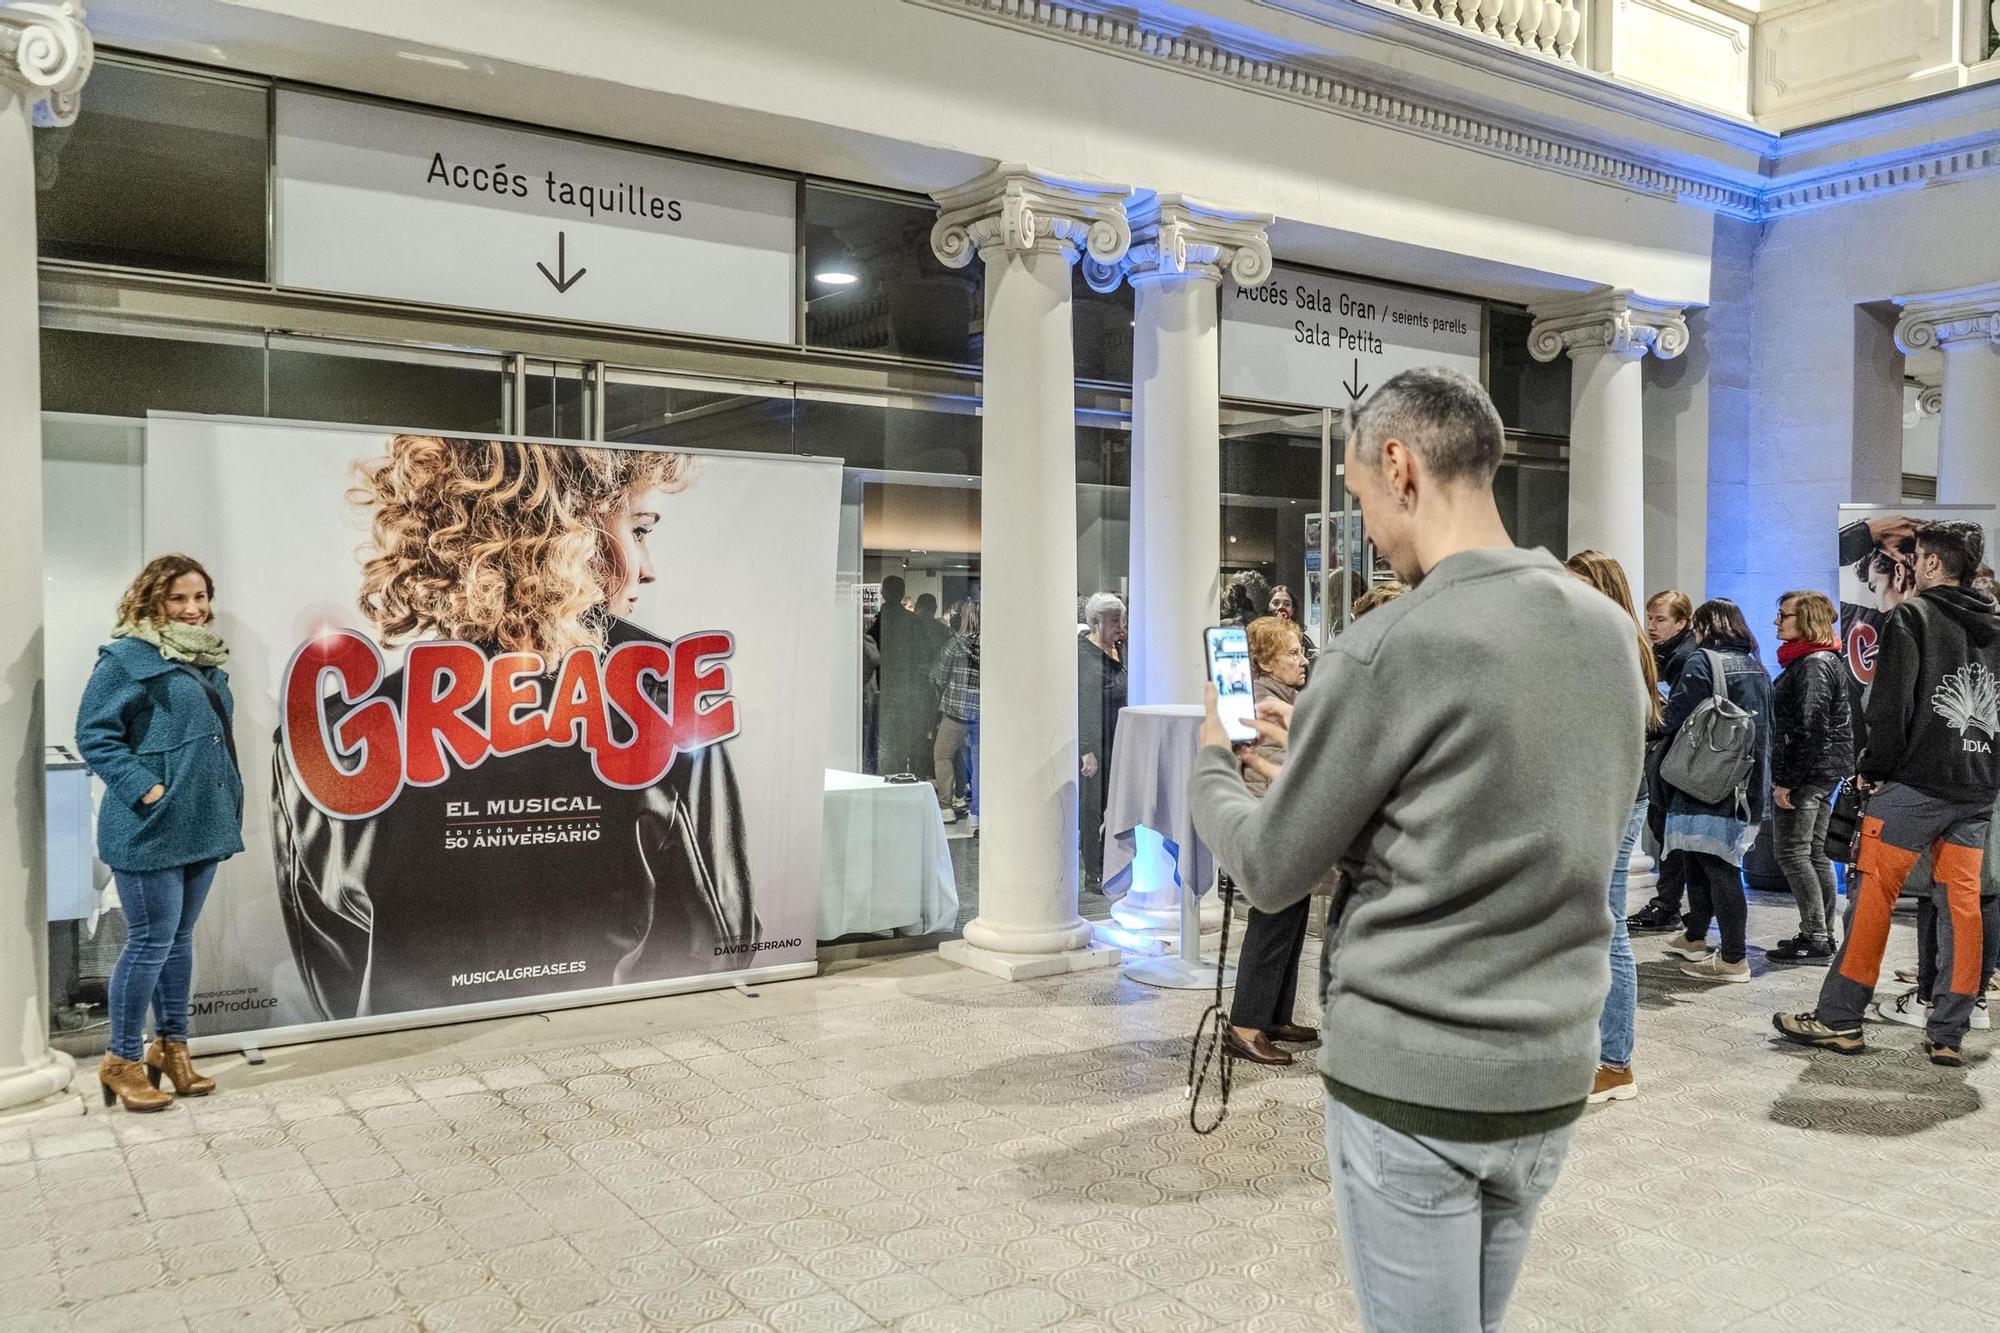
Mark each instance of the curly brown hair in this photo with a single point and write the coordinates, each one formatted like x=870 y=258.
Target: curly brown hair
x=498 y=542
x=146 y=599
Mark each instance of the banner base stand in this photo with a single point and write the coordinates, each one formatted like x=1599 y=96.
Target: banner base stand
x=1028 y=966
x=230 y=1042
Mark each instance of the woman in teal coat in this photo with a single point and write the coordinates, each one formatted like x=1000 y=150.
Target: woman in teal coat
x=154 y=725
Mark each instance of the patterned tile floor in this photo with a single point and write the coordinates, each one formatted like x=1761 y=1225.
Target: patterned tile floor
x=900 y=1145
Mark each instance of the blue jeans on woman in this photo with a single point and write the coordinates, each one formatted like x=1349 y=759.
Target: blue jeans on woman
x=156 y=966
x=1621 y=1005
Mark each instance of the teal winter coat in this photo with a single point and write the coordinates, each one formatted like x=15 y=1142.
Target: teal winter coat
x=146 y=721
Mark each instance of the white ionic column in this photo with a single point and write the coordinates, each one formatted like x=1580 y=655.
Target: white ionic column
x=45 y=56
x=1028 y=228
x=1180 y=250
x=1965 y=326
x=1607 y=335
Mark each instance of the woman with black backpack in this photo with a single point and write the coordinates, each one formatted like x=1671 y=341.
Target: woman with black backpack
x=1812 y=750
x=1714 y=835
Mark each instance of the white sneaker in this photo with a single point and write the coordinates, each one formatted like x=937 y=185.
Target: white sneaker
x=1694 y=951
x=1908 y=1009
x=948 y=815
x=1982 y=1017
x=1712 y=968
x=1907 y=975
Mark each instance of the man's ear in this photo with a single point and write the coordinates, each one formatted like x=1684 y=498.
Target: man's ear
x=1400 y=466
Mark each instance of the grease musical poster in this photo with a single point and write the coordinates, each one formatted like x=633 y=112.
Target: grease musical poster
x=516 y=718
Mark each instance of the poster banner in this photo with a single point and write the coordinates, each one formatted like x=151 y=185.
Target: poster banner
x=515 y=719
x=1878 y=551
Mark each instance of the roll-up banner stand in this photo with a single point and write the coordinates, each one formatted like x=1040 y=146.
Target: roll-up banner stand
x=1878 y=552
x=523 y=724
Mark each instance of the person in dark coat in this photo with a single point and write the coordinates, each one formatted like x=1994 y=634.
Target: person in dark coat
x=907 y=702
x=1812 y=751
x=155 y=727
x=1100 y=693
x=1667 y=629
x=1714 y=836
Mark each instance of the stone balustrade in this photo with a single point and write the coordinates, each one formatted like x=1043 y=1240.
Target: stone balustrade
x=1550 y=28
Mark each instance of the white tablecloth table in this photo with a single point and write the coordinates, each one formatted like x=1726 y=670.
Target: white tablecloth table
x=1155 y=866
x=884 y=863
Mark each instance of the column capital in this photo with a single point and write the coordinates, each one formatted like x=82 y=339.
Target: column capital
x=1970 y=315
x=1618 y=322
x=1173 y=235
x=45 y=56
x=1020 y=210
x=1930 y=394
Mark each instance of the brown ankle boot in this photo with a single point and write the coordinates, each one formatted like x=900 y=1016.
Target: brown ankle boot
x=171 y=1058
x=125 y=1081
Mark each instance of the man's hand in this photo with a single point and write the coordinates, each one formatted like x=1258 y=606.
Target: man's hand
x=1090 y=765
x=1892 y=528
x=1783 y=796
x=1274 y=726
x=153 y=794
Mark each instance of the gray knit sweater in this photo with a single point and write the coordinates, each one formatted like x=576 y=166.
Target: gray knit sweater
x=1467 y=755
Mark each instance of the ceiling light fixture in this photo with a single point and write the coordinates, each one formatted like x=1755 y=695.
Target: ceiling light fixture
x=835 y=277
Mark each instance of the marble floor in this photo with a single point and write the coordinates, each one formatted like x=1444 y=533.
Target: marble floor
x=901 y=1145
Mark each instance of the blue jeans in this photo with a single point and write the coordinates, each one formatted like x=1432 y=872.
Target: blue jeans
x=156 y=966
x=1621 y=1004
x=1433 y=1230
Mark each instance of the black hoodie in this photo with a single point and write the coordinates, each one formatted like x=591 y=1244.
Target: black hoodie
x=1933 y=710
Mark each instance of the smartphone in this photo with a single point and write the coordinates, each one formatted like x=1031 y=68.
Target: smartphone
x=1229 y=669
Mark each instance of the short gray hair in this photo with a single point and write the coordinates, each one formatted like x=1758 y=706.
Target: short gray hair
x=1443 y=415
x=1101 y=604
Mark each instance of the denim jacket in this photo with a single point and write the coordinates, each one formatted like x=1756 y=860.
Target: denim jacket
x=145 y=721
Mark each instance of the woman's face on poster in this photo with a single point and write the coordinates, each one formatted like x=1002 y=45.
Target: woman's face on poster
x=631 y=564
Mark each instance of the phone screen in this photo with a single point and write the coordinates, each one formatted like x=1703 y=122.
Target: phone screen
x=1229 y=669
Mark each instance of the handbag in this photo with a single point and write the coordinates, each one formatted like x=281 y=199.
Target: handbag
x=1713 y=752
x=1843 y=822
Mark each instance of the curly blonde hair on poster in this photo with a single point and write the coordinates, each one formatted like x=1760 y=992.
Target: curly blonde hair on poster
x=499 y=542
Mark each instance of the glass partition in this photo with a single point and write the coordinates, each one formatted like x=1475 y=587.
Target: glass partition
x=161 y=170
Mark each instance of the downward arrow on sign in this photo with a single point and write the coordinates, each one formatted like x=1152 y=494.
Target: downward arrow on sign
x=557 y=279
x=1352 y=392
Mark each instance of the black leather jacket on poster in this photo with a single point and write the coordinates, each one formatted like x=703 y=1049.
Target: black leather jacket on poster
x=1812 y=733
x=385 y=917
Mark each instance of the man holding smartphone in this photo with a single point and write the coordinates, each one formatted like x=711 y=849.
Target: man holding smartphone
x=1474 y=789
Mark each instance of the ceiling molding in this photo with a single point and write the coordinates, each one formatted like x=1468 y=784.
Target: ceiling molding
x=1289 y=76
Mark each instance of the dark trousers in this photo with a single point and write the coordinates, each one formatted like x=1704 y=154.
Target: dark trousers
x=1935 y=954
x=1673 y=878
x=1715 y=892
x=1267 y=970
x=904 y=732
x=1801 y=833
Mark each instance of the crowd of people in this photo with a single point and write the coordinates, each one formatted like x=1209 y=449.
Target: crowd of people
x=1477 y=994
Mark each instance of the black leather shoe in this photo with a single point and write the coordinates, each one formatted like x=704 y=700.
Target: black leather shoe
x=1653 y=919
x=1258 y=1050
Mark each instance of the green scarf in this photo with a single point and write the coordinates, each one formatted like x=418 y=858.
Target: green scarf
x=177 y=642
